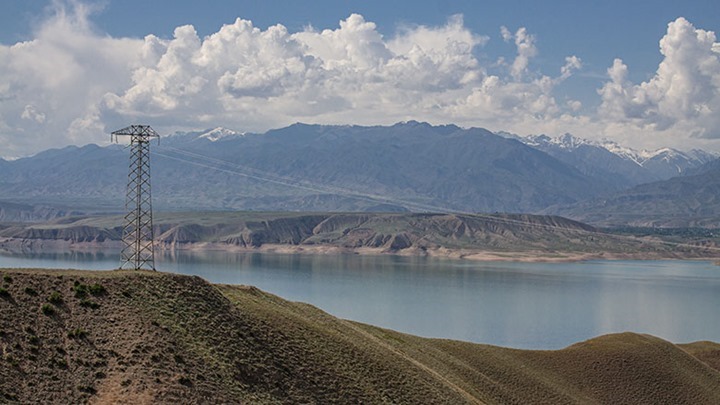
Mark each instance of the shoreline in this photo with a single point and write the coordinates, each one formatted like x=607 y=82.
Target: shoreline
x=12 y=245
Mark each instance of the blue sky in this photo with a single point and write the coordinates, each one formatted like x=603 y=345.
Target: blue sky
x=518 y=78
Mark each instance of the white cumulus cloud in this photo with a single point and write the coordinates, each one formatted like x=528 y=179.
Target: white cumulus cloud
x=526 y=50
x=684 y=94
x=73 y=84
x=252 y=78
x=56 y=78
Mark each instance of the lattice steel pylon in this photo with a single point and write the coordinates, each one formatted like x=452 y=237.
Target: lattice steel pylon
x=137 y=251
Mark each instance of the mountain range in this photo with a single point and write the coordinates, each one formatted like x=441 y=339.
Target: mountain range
x=409 y=166
x=684 y=201
x=625 y=167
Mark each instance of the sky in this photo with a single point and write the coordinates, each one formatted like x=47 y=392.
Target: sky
x=643 y=73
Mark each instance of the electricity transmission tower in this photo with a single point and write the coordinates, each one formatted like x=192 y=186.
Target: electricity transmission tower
x=137 y=252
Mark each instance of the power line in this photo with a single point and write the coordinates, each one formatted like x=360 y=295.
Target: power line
x=259 y=175
x=290 y=182
x=240 y=170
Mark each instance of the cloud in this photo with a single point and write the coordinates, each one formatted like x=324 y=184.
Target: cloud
x=572 y=63
x=73 y=84
x=256 y=79
x=684 y=93
x=273 y=77
x=32 y=113
x=526 y=50
x=50 y=81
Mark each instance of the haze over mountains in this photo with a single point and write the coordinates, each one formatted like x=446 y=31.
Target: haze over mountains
x=408 y=166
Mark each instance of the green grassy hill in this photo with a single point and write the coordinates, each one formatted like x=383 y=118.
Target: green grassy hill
x=146 y=337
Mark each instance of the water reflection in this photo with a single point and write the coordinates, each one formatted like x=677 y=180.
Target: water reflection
x=524 y=305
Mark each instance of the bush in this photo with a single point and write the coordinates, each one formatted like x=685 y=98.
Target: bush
x=185 y=381
x=89 y=389
x=96 y=289
x=77 y=333
x=55 y=298
x=30 y=291
x=4 y=292
x=7 y=278
x=10 y=359
x=89 y=304
x=82 y=290
x=47 y=309
x=58 y=362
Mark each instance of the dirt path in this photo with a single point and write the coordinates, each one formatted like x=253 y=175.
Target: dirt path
x=469 y=397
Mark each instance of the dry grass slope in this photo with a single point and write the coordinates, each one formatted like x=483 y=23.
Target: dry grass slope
x=141 y=337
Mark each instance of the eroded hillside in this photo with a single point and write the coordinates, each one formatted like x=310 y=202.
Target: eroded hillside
x=495 y=236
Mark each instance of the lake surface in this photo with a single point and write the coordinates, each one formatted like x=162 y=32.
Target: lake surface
x=522 y=305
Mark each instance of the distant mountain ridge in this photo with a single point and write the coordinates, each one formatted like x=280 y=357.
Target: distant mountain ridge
x=409 y=166
x=625 y=166
x=693 y=157
x=684 y=201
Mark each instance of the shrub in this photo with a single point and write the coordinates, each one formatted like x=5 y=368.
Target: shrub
x=96 y=289
x=77 y=333
x=184 y=381
x=89 y=389
x=30 y=291
x=82 y=290
x=4 y=292
x=89 y=304
x=47 y=309
x=10 y=359
x=7 y=278
x=59 y=362
x=55 y=298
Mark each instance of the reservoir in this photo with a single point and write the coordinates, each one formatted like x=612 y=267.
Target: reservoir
x=512 y=304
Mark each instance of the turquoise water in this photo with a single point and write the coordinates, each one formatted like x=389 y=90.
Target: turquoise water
x=522 y=305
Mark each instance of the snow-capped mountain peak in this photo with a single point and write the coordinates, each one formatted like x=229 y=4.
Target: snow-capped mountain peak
x=567 y=141
x=622 y=151
x=219 y=133
x=649 y=164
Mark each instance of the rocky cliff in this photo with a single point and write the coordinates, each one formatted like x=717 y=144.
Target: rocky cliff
x=457 y=235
